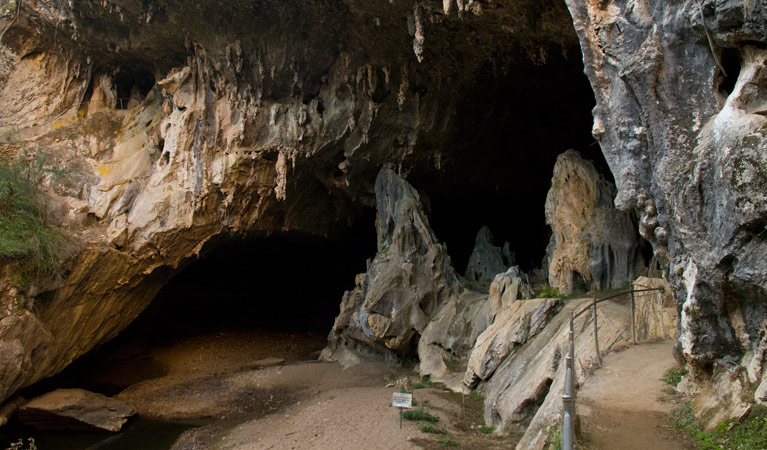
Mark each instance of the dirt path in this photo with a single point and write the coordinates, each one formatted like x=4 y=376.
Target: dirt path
x=625 y=405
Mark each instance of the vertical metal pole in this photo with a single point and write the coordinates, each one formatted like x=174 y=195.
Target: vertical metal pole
x=633 y=326
x=596 y=333
x=568 y=400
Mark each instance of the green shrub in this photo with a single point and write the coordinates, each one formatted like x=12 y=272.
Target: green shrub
x=486 y=430
x=550 y=292
x=447 y=441
x=426 y=427
x=417 y=415
x=674 y=375
x=25 y=236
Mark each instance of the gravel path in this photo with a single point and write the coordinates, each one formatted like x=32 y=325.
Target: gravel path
x=625 y=405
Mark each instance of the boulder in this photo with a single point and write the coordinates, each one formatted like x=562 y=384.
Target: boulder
x=486 y=259
x=516 y=325
x=445 y=344
x=406 y=284
x=590 y=237
x=75 y=409
x=518 y=363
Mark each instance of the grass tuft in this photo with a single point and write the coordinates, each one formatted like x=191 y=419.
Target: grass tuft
x=749 y=434
x=486 y=430
x=417 y=415
x=426 y=427
x=447 y=441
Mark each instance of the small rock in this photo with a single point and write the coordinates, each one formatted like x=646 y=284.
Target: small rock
x=75 y=409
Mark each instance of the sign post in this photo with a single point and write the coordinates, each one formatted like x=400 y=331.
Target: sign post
x=402 y=400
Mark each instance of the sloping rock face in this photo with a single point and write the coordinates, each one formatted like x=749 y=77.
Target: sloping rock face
x=452 y=335
x=590 y=237
x=680 y=91
x=260 y=117
x=408 y=281
x=518 y=363
x=75 y=409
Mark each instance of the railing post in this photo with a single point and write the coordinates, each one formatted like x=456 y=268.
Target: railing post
x=633 y=326
x=596 y=332
x=568 y=399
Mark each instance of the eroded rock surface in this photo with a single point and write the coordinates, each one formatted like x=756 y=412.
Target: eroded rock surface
x=408 y=281
x=591 y=239
x=681 y=122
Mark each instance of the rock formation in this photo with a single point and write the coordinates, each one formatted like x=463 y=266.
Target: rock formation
x=75 y=409
x=486 y=260
x=408 y=281
x=680 y=117
x=264 y=118
x=590 y=237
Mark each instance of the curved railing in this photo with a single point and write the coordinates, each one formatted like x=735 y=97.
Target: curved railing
x=568 y=392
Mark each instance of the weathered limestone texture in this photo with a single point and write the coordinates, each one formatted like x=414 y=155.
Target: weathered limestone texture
x=655 y=312
x=407 y=283
x=486 y=260
x=682 y=124
x=518 y=362
x=590 y=237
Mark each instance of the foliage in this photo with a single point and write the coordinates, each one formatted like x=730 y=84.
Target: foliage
x=426 y=427
x=476 y=396
x=554 y=439
x=426 y=382
x=550 y=292
x=21 y=445
x=748 y=434
x=486 y=430
x=416 y=415
x=25 y=236
x=447 y=441
x=674 y=375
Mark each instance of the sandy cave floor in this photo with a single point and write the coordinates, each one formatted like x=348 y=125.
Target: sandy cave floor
x=241 y=390
x=264 y=390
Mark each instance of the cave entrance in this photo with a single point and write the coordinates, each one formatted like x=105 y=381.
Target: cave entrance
x=244 y=300
x=287 y=283
x=497 y=171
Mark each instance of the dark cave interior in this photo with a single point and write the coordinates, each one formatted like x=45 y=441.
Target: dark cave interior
x=280 y=283
x=510 y=131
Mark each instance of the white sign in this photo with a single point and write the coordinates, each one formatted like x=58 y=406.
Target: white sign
x=402 y=400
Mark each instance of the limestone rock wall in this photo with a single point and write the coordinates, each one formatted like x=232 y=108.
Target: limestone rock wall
x=590 y=237
x=680 y=90
x=258 y=117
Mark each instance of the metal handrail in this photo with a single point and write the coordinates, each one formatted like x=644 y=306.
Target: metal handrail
x=568 y=392
x=610 y=297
